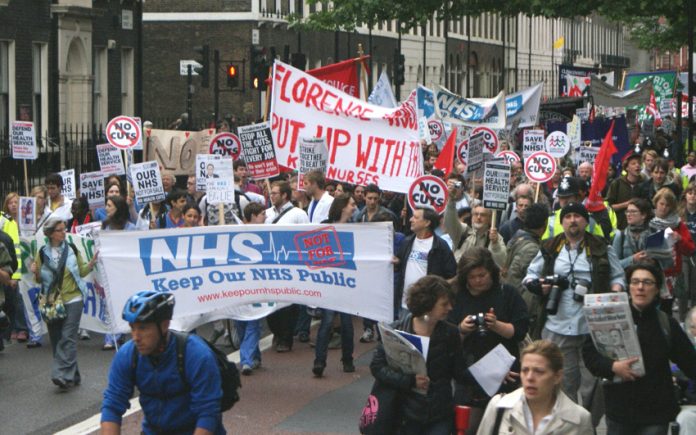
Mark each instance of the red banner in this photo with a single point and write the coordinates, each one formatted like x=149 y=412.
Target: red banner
x=341 y=75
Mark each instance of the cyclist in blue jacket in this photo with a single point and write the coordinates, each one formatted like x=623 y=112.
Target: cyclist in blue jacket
x=170 y=404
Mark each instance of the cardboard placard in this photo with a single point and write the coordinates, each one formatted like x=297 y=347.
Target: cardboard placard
x=258 y=150
x=23 y=140
x=147 y=182
x=110 y=160
x=175 y=150
x=212 y=166
x=92 y=186
x=496 y=185
x=314 y=155
x=69 y=188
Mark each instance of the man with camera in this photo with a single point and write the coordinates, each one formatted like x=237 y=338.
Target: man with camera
x=567 y=267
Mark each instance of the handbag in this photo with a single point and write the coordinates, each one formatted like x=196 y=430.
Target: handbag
x=51 y=304
x=381 y=413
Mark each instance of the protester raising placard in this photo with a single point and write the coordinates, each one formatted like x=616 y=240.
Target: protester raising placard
x=259 y=153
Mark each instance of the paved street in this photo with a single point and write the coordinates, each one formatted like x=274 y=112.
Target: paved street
x=281 y=397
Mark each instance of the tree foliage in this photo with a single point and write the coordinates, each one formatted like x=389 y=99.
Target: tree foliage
x=642 y=16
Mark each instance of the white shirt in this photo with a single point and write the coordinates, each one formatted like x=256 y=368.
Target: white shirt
x=529 y=419
x=417 y=264
x=295 y=216
x=64 y=211
x=319 y=210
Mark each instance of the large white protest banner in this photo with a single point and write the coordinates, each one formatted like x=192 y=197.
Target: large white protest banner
x=69 y=189
x=486 y=112
x=367 y=143
x=314 y=155
x=94 y=315
x=496 y=185
x=343 y=267
x=23 y=140
x=92 y=186
x=110 y=160
x=147 y=182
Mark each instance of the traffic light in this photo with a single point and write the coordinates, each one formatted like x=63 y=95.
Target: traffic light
x=204 y=70
x=259 y=67
x=399 y=68
x=232 y=72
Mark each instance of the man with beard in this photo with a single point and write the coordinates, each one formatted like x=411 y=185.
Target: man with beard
x=481 y=234
x=588 y=266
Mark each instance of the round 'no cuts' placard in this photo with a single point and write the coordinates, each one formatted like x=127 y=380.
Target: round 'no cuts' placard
x=226 y=144
x=490 y=139
x=539 y=167
x=428 y=191
x=123 y=132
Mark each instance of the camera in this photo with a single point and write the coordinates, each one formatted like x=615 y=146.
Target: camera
x=558 y=284
x=580 y=288
x=480 y=322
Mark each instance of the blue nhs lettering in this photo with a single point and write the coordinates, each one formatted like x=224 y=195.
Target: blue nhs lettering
x=171 y=253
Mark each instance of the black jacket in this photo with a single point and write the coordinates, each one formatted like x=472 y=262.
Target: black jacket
x=440 y=262
x=650 y=399
x=509 y=307
x=444 y=363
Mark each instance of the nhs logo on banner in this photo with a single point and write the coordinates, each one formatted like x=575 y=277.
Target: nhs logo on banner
x=513 y=104
x=321 y=248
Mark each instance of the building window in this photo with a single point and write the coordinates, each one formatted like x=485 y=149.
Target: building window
x=100 y=113
x=127 y=88
x=40 y=87
x=4 y=88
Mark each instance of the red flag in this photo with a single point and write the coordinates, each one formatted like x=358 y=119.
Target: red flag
x=599 y=174
x=341 y=75
x=653 y=110
x=445 y=160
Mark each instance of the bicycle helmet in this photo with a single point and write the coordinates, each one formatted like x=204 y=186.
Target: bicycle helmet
x=149 y=306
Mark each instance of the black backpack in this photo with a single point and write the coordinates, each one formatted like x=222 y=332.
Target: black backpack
x=229 y=374
x=7 y=242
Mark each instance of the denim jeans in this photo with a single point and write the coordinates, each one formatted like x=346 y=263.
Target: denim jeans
x=616 y=428
x=303 y=321
x=324 y=334
x=249 y=334
x=63 y=335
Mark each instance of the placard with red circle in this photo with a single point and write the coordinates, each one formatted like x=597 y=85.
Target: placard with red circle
x=437 y=129
x=463 y=151
x=509 y=156
x=490 y=139
x=540 y=167
x=428 y=191
x=123 y=132
x=226 y=144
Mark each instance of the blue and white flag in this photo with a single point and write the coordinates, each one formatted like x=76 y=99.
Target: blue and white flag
x=382 y=94
x=488 y=112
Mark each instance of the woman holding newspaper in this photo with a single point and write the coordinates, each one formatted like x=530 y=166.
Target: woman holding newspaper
x=425 y=400
x=644 y=405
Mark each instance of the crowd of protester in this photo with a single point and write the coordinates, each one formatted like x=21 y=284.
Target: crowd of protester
x=471 y=280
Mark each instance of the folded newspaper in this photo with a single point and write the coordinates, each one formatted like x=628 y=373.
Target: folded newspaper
x=405 y=352
x=612 y=329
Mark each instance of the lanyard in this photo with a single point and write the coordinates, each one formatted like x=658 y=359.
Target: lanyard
x=571 y=261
